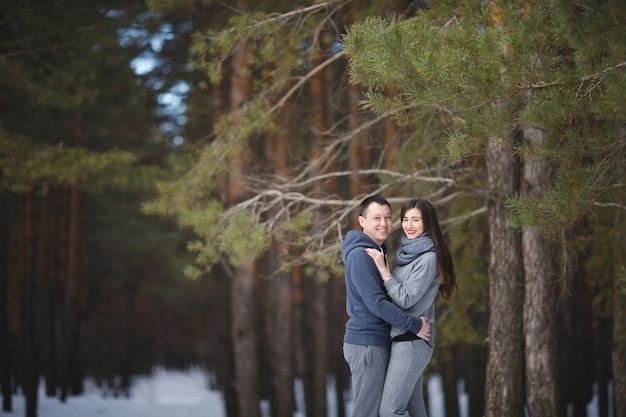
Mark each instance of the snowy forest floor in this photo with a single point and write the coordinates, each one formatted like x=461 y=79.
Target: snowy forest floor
x=168 y=393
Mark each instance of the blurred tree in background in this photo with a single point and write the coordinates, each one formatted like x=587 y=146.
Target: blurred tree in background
x=84 y=275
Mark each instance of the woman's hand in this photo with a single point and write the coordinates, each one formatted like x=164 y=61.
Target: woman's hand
x=379 y=260
x=425 y=331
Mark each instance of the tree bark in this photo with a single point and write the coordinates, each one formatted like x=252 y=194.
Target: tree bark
x=450 y=378
x=475 y=365
x=299 y=331
x=321 y=121
x=70 y=378
x=243 y=294
x=282 y=362
x=280 y=286
x=358 y=157
x=358 y=148
x=245 y=341
x=28 y=333
x=320 y=346
x=337 y=318
x=45 y=272
x=540 y=325
x=618 y=354
x=6 y=242
x=504 y=380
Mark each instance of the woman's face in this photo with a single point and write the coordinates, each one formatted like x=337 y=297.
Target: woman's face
x=412 y=224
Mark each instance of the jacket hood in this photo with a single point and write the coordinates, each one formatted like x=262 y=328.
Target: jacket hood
x=356 y=239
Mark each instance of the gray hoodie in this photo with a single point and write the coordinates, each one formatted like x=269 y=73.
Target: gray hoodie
x=370 y=311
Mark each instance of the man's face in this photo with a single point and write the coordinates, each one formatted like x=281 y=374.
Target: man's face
x=376 y=222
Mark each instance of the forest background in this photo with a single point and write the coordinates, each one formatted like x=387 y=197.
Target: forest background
x=233 y=141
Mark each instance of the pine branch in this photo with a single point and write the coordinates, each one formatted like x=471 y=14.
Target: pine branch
x=592 y=77
x=603 y=72
x=399 y=177
x=281 y=204
x=615 y=205
x=278 y=106
x=275 y=17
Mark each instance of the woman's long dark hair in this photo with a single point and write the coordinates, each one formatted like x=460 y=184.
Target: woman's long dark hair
x=447 y=277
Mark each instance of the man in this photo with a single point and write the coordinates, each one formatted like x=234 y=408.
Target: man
x=371 y=314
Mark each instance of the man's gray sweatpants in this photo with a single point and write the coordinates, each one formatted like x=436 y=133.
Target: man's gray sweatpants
x=403 y=394
x=368 y=365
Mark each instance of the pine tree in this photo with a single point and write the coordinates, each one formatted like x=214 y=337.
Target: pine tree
x=75 y=123
x=494 y=72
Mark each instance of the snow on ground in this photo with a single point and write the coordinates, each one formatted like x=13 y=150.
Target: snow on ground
x=163 y=394
x=168 y=393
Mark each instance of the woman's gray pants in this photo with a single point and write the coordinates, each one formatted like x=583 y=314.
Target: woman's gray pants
x=403 y=393
x=367 y=366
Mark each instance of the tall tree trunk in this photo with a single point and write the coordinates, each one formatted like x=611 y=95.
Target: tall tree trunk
x=358 y=151
x=282 y=362
x=45 y=270
x=618 y=354
x=299 y=331
x=358 y=154
x=540 y=320
x=6 y=243
x=475 y=361
x=244 y=334
x=504 y=391
x=321 y=121
x=28 y=346
x=278 y=151
x=320 y=345
x=450 y=380
x=243 y=294
x=71 y=381
x=337 y=318
x=221 y=335
x=576 y=328
x=336 y=293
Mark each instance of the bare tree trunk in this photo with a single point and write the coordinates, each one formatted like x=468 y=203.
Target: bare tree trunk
x=221 y=335
x=45 y=271
x=67 y=318
x=299 y=331
x=321 y=122
x=449 y=380
x=244 y=340
x=504 y=391
x=6 y=243
x=619 y=321
x=71 y=381
x=28 y=346
x=540 y=320
x=243 y=294
x=475 y=361
x=320 y=346
x=576 y=327
x=282 y=345
x=358 y=152
x=280 y=312
x=337 y=318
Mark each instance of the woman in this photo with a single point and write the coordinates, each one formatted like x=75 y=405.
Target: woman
x=423 y=268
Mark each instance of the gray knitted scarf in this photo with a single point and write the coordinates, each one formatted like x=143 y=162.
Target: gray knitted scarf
x=412 y=248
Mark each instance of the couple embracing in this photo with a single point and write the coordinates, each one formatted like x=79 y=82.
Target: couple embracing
x=390 y=330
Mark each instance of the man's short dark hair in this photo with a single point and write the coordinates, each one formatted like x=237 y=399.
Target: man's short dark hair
x=372 y=199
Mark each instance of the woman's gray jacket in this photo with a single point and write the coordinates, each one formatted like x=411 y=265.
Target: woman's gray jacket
x=415 y=280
